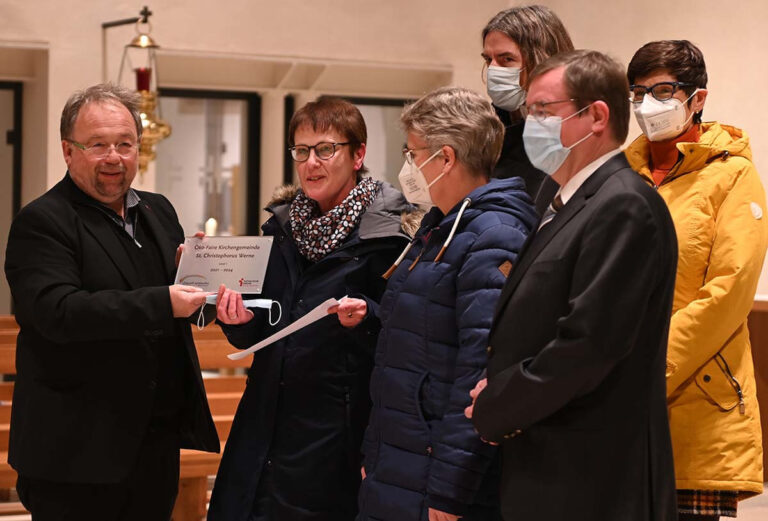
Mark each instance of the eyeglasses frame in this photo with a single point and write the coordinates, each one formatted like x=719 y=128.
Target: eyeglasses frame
x=314 y=147
x=676 y=86
x=540 y=105
x=89 y=149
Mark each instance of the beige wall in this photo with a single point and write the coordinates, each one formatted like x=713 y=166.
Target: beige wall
x=396 y=31
x=411 y=33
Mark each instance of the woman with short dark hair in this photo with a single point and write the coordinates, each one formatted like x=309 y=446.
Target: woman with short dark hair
x=293 y=453
x=704 y=172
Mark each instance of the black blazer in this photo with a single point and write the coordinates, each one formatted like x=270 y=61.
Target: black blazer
x=576 y=391
x=85 y=362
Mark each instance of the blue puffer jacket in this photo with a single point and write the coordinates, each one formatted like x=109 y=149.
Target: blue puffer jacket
x=419 y=449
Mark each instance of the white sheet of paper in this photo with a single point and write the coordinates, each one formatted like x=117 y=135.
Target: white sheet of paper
x=313 y=316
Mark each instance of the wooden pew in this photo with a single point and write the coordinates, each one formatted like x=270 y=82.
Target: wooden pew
x=758 y=336
x=223 y=391
x=9 y=330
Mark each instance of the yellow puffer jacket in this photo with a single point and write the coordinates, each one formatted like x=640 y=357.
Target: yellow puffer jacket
x=718 y=205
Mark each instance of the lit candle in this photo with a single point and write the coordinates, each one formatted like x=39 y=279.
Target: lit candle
x=210 y=227
x=142 y=78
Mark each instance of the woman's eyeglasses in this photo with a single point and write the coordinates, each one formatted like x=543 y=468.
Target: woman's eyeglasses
x=323 y=150
x=662 y=91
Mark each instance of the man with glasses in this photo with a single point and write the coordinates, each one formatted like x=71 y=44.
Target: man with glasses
x=108 y=382
x=576 y=392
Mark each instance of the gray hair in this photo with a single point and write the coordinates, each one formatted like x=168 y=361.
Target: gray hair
x=461 y=119
x=101 y=93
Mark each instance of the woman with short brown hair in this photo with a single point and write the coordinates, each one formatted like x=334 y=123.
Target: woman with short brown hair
x=293 y=453
x=704 y=172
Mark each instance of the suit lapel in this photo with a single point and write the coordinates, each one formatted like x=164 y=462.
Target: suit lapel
x=148 y=217
x=100 y=228
x=544 y=236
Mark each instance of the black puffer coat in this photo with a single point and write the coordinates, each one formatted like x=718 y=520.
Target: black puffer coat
x=301 y=419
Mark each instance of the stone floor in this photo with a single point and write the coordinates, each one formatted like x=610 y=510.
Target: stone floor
x=755 y=509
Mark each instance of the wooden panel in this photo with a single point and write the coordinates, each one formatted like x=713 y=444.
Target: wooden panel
x=223 y=425
x=220 y=403
x=8 y=336
x=213 y=348
x=8 y=322
x=8 y=358
x=5 y=412
x=758 y=334
x=6 y=391
x=13 y=508
x=213 y=355
x=221 y=384
x=190 y=503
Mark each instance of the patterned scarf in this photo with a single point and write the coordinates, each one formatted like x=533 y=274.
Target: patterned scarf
x=317 y=235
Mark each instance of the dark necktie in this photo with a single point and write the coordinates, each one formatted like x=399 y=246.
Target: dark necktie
x=555 y=206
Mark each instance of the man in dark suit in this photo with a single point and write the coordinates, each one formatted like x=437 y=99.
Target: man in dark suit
x=576 y=387
x=108 y=382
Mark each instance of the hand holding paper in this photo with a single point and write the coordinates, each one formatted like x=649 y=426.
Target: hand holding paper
x=351 y=311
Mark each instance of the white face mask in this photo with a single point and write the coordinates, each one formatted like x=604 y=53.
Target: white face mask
x=542 y=142
x=660 y=120
x=414 y=184
x=504 y=87
x=263 y=303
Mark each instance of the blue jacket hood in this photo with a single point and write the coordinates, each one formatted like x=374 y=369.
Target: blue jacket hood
x=499 y=195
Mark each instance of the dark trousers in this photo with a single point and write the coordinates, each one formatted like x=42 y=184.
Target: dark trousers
x=147 y=494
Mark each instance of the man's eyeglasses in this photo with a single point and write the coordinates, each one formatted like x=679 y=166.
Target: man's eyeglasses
x=323 y=150
x=662 y=91
x=101 y=150
x=408 y=153
x=539 y=109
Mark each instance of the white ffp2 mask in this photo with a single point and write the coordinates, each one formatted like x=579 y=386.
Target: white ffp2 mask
x=414 y=184
x=662 y=120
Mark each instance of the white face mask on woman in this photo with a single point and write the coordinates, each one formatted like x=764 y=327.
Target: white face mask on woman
x=661 y=120
x=414 y=184
x=504 y=87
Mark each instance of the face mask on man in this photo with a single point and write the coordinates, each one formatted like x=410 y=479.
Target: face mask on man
x=503 y=84
x=661 y=120
x=542 y=142
x=414 y=184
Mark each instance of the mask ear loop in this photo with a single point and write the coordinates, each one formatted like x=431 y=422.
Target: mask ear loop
x=279 y=313
x=201 y=318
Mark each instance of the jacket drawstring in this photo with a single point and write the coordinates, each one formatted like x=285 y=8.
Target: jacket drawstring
x=394 y=266
x=467 y=202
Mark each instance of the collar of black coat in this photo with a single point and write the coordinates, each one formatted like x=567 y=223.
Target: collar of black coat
x=388 y=215
x=107 y=239
x=132 y=198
